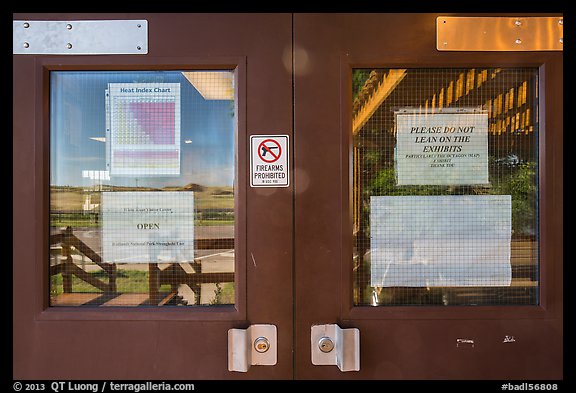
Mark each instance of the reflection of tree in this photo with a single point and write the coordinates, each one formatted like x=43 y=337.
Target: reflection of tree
x=521 y=184
x=519 y=181
x=359 y=77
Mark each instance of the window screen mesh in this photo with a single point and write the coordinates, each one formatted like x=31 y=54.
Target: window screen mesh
x=142 y=188
x=445 y=188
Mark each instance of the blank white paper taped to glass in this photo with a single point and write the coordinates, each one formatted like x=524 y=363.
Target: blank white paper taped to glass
x=441 y=148
x=148 y=226
x=440 y=241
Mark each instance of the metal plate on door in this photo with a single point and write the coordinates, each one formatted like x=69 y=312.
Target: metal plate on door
x=80 y=37
x=455 y=33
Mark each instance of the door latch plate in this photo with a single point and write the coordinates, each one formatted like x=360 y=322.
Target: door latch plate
x=332 y=345
x=255 y=346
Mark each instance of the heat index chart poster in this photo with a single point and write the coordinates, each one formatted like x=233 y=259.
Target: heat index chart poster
x=143 y=129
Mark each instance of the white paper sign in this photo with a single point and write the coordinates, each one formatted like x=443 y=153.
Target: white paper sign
x=143 y=129
x=441 y=148
x=148 y=226
x=448 y=241
x=269 y=164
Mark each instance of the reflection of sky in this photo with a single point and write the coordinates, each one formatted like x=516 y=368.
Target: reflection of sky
x=78 y=113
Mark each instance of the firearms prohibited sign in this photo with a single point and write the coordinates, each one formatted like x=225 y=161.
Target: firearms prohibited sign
x=269 y=161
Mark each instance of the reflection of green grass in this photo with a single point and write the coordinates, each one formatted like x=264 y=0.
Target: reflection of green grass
x=204 y=223
x=133 y=281
x=74 y=220
x=127 y=281
x=224 y=293
x=208 y=200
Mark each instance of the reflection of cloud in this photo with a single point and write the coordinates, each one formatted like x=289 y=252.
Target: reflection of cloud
x=208 y=165
x=220 y=176
x=69 y=170
x=215 y=176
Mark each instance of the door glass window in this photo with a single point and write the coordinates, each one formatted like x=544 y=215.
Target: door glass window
x=445 y=186
x=142 y=188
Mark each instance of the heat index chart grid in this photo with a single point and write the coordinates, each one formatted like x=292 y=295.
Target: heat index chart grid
x=143 y=126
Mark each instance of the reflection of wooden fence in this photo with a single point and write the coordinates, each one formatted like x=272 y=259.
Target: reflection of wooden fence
x=68 y=268
x=172 y=274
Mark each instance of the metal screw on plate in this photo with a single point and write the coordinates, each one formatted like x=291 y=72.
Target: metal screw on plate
x=518 y=23
x=26 y=25
x=561 y=40
x=326 y=344
x=561 y=21
x=518 y=41
x=69 y=45
x=69 y=26
x=139 y=47
x=26 y=45
x=261 y=344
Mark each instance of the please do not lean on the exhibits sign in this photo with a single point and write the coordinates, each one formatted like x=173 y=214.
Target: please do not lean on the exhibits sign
x=269 y=165
x=442 y=148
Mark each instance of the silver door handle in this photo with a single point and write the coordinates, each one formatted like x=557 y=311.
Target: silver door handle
x=255 y=346
x=332 y=345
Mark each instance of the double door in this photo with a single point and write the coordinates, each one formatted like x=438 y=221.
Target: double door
x=279 y=196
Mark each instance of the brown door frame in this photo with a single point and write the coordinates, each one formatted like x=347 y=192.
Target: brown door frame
x=80 y=343
x=423 y=344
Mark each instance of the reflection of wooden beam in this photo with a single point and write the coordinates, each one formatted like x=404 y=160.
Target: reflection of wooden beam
x=87 y=277
x=175 y=274
x=381 y=92
x=154 y=283
x=67 y=238
x=168 y=298
x=213 y=244
x=56 y=269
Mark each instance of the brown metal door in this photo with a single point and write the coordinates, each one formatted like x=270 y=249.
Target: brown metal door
x=387 y=65
x=73 y=317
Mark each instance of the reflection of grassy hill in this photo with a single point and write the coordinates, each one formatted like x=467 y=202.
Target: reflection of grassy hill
x=64 y=198
x=222 y=191
x=187 y=187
